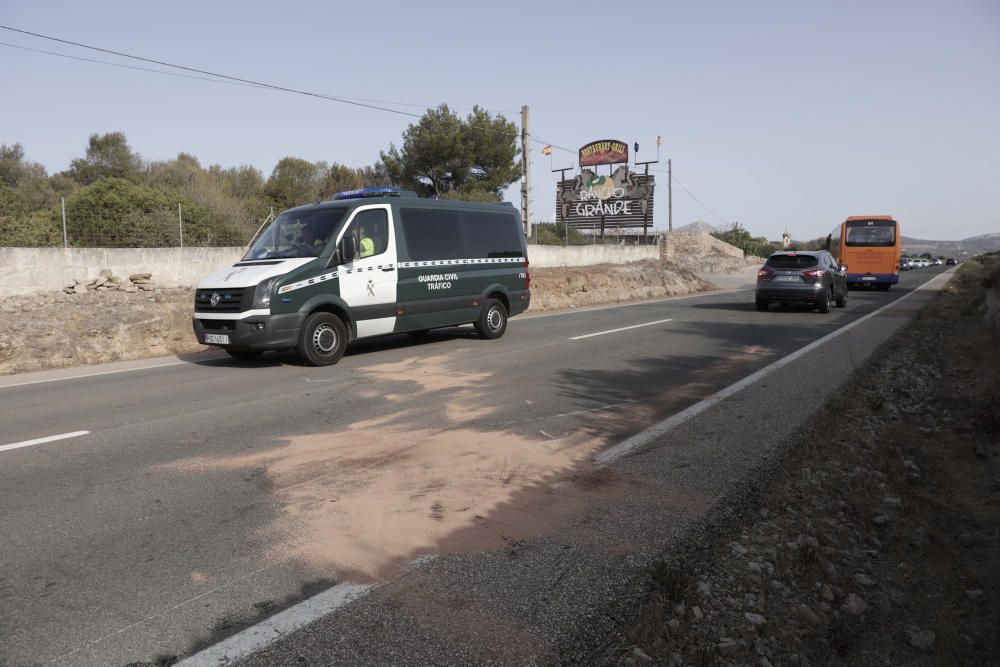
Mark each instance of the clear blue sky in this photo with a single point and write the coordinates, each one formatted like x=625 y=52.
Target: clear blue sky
x=775 y=114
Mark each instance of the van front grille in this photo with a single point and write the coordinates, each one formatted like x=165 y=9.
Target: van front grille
x=228 y=300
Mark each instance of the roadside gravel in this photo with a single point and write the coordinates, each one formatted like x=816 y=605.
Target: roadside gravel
x=876 y=541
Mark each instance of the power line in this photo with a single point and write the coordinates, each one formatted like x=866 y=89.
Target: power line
x=214 y=74
x=211 y=80
x=361 y=102
x=124 y=66
x=225 y=78
x=691 y=194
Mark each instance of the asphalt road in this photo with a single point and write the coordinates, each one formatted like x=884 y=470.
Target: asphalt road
x=206 y=495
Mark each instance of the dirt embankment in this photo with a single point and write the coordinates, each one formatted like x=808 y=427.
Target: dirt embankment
x=877 y=541
x=59 y=330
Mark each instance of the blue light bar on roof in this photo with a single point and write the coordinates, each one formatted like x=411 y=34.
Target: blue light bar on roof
x=367 y=192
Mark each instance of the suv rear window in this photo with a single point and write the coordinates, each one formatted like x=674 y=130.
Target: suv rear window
x=792 y=261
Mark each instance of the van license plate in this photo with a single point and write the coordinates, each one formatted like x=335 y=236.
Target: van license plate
x=788 y=278
x=217 y=339
x=869 y=278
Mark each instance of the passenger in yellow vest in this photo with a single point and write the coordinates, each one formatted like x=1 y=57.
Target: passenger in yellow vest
x=366 y=245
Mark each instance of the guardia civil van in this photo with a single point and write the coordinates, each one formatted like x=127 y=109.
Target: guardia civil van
x=368 y=263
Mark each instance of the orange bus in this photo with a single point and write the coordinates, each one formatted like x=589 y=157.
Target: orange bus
x=869 y=247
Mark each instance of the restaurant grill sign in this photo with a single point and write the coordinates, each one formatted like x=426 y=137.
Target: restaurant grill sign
x=605 y=151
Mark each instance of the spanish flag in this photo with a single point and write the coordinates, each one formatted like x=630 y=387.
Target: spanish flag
x=547 y=150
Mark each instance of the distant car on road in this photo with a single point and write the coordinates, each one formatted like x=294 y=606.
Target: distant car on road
x=801 y=277
x=950 y=262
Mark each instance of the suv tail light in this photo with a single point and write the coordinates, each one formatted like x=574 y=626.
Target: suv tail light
x=813 y=273
x=527 y=275
x=765 y=273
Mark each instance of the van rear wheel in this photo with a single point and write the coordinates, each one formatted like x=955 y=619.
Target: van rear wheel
x=492 y=322
x=323 y=339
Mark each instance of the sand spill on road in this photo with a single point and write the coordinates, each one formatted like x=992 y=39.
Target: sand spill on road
x=383 y=491
x=388 y=489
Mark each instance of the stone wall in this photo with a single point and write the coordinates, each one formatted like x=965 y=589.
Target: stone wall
x=589 y=255
x=30 y=270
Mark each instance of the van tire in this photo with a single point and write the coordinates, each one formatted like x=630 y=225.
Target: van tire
x=244 y=355
x=323 y=339
x=823 y=302
x=492 y=322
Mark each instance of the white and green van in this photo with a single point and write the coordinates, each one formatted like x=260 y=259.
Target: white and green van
x=371 y=262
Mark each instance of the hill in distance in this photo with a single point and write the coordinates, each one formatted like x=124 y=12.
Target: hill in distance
x=696 y=227
x=974 y=245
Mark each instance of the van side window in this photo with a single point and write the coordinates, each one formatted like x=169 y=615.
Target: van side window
x=491 y=235
x=371 y=229
x=432 y=234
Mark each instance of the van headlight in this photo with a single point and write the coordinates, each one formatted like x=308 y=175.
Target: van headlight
x=262 y=295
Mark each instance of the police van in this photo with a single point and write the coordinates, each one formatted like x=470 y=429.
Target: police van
x=370 y=262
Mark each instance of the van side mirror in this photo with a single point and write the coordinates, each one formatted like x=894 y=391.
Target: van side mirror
x=348 y=249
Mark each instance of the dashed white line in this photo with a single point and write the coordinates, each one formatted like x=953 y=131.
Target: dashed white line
x=634 y=326
x=42 y=441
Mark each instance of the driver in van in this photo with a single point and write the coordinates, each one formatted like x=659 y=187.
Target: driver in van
x=365 y=243
x=311 y=241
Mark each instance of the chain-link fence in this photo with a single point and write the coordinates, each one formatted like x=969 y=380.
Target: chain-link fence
x=547 y=233
x=157 y=228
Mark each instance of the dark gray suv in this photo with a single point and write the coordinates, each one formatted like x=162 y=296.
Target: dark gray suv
x=801 y=277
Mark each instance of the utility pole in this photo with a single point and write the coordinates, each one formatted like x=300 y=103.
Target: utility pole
x=670 y=198
x=645 y=218
x=526 y=172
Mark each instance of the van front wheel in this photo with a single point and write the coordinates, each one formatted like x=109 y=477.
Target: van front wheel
x=323 y=339
x=492 y=322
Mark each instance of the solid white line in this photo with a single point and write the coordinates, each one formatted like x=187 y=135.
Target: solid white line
x=274 y=628
x=634 y=326
x=644 y=437
x=42 y=441
x=90 y=375
x=151 y=365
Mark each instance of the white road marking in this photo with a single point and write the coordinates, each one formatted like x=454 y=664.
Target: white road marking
x=634 y=326
x=42 y=441
x=644 y=437
x=276 y=627
x=146 y=367
x=612 y=306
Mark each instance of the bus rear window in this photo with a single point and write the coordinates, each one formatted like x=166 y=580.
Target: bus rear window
x=791 y=261
x=871 y=233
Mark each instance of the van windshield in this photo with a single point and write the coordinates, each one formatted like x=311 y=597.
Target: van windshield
x=303 y=233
